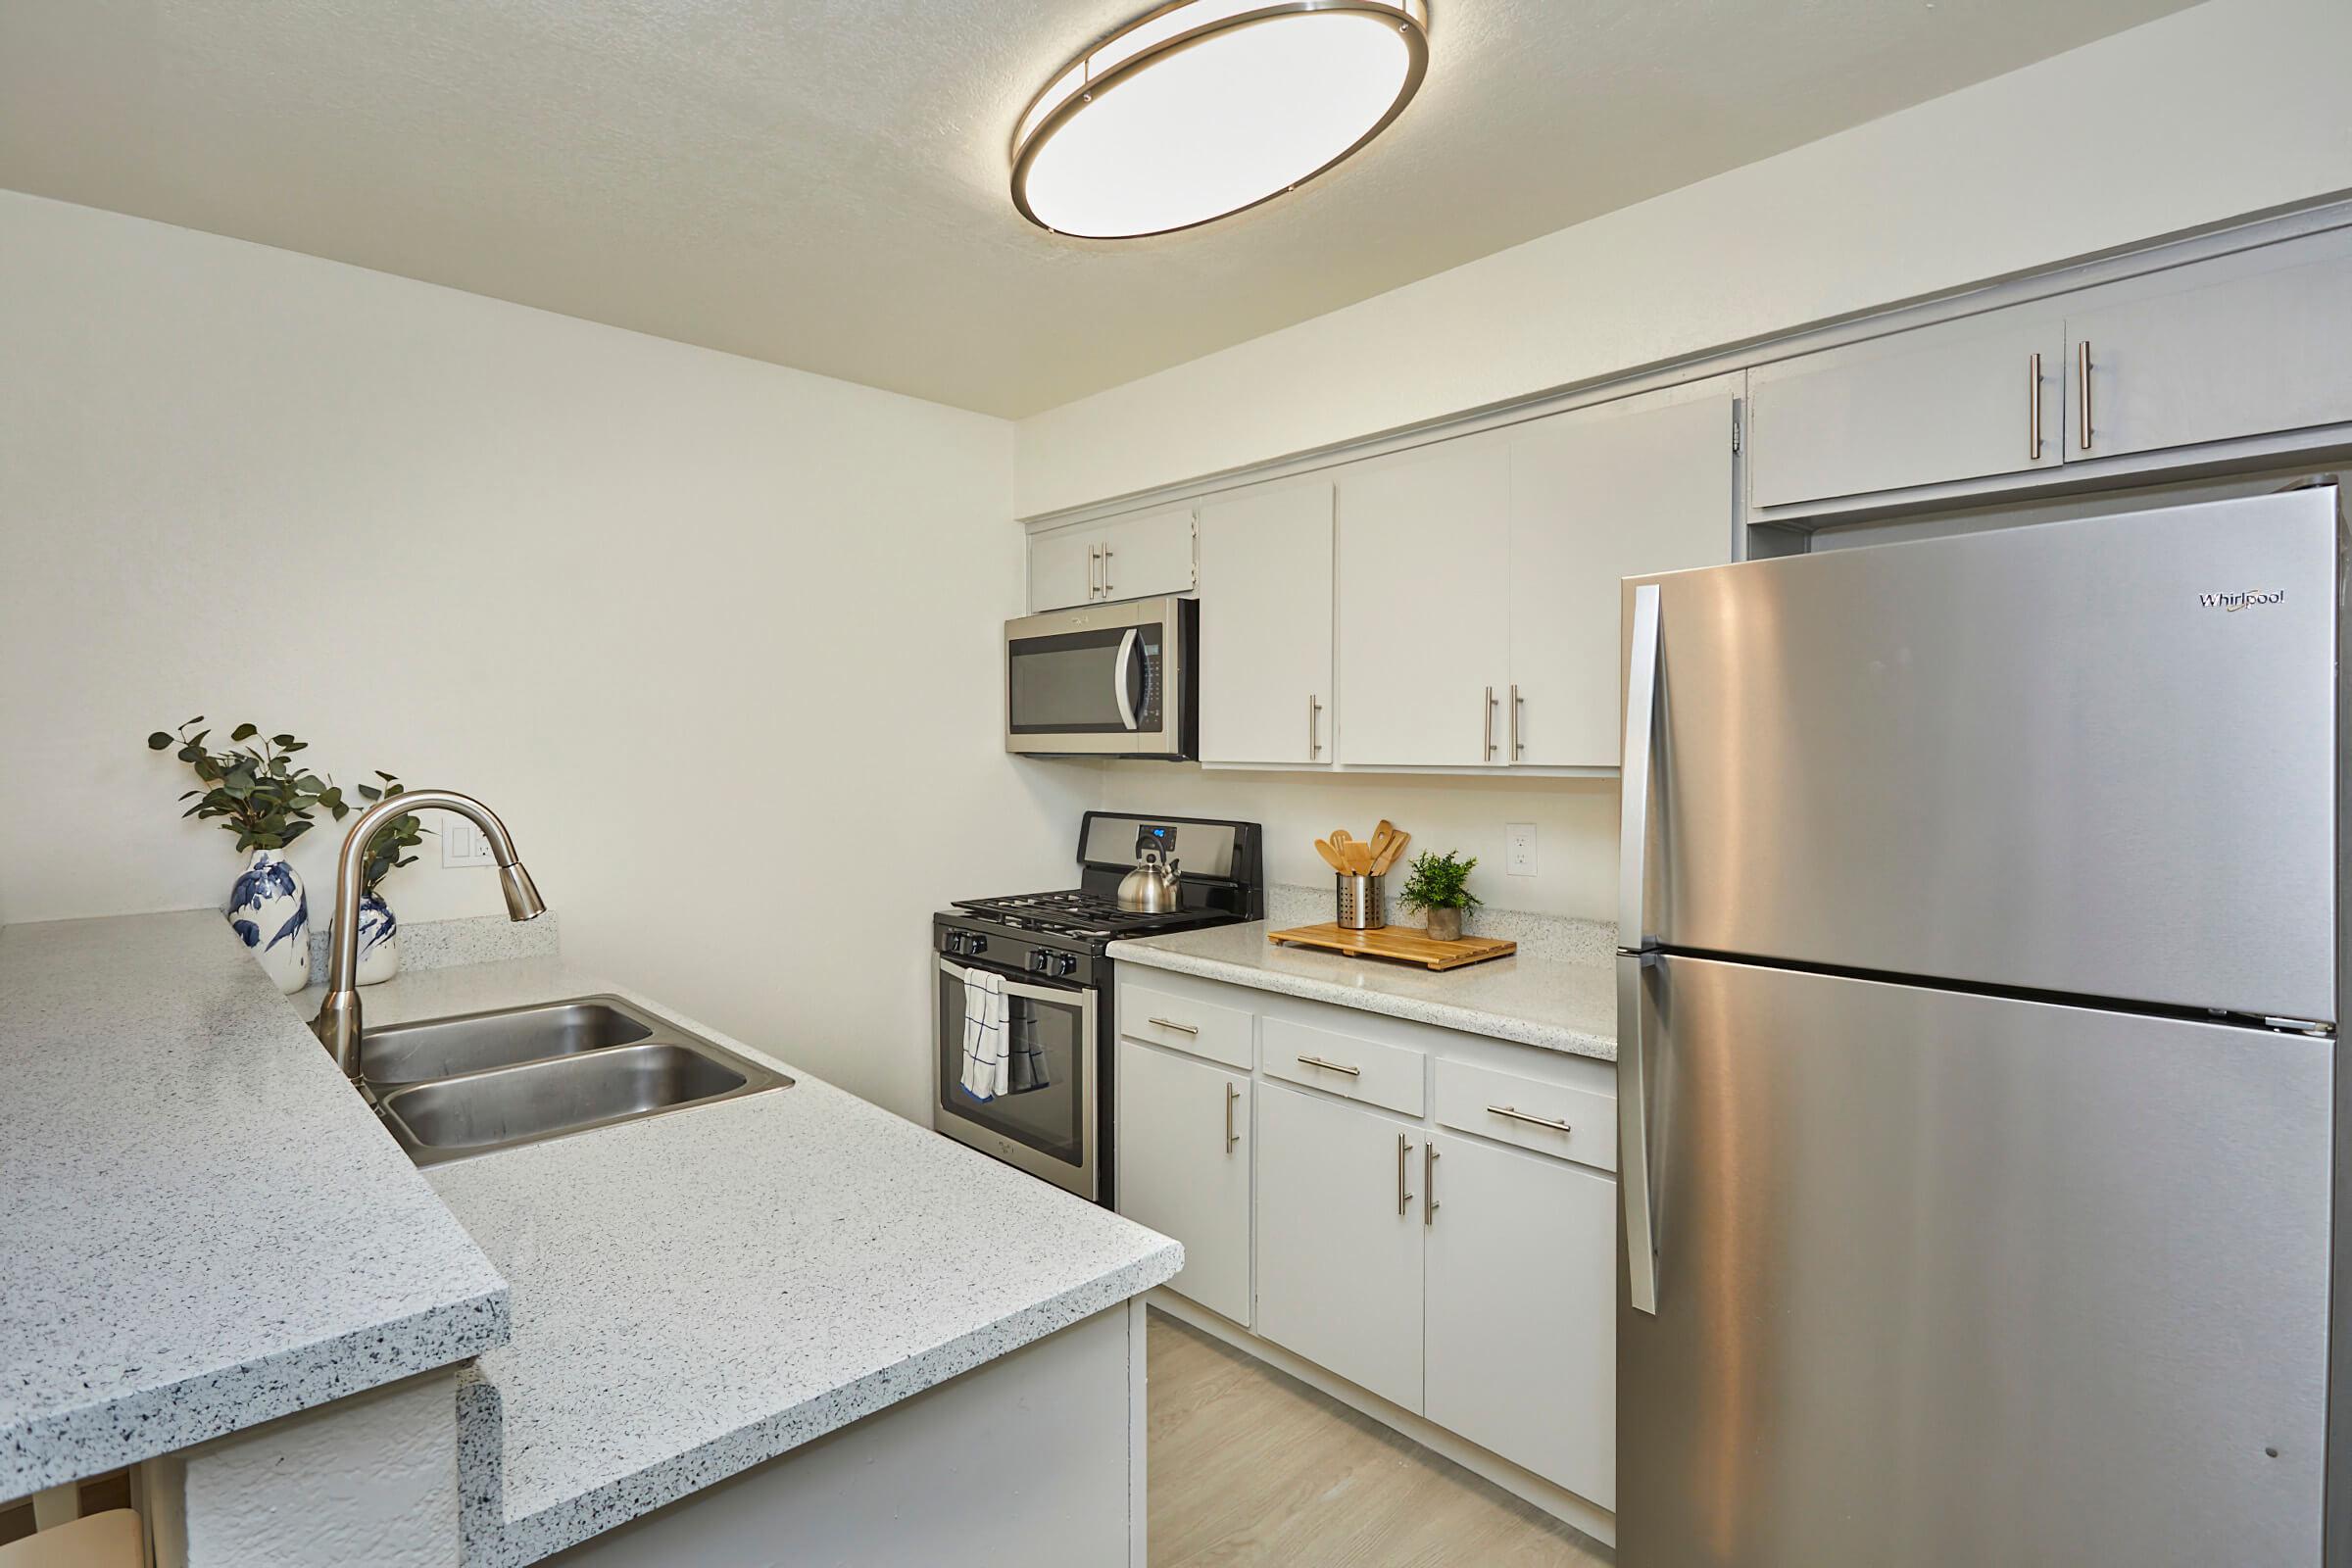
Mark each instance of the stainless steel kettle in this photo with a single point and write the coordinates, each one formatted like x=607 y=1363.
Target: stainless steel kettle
x=1150 y=888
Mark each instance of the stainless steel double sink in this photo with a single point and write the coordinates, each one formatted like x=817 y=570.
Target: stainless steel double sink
x=449 y=1088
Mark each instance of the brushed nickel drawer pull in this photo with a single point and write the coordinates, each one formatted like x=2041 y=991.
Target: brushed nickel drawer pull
x=1333 y=1066
x=1429 y=1185
x=1516 y=1114
x=1169 y=1023
x=1404 y=1199
x=1233 y=1097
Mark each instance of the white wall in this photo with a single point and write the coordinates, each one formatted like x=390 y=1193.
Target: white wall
x=2229 y=108
x=1575 y=820
x=709 y=635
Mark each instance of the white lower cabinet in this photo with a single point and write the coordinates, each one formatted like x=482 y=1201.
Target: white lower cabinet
x=1469 y=1280
x=1184 y=1168
x=1339 y=1240
x=1521 y=1336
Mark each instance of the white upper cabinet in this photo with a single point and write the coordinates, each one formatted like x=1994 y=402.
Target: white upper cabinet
x=1424 y=645
x=2250 y=345
x=1963 y=400
x=2236 y=346
x=1150 y=554
x=1126 y=558
x=1063 y=569
x=1266 y=626
x=1598 y=494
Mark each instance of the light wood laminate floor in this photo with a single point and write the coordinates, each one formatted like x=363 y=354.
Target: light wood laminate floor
x=1249 y=1466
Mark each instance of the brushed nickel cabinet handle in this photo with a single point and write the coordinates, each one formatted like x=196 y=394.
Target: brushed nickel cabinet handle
x=2083 y=388
x=1404 y=1200
x=1106 y=572
x=1314 y=726
x=1429 y=1185
x=1094 y=572
x=2034 y=409
x=1331 y=1066
x=1233 y=1097
x=1516 y=1114
x=1488 y=711
x=1170 y=1023
x=1518 y=718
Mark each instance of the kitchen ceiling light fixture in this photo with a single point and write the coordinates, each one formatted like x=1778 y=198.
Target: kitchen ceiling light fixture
x=1207 y=107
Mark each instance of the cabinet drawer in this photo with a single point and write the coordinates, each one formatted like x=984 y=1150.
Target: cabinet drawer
x=1512 y=1110
x=1198 y=1028
x=1346 y=1065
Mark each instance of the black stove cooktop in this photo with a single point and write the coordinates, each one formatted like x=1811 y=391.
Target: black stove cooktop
x=1220 y=879
x=1076 y=912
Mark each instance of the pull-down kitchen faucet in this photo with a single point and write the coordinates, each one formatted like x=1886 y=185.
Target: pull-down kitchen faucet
x=337 y=1025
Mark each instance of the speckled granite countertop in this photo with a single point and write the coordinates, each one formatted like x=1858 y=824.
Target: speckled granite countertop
x=1566 y=1006
x=701 y=1290
x=200 y=1225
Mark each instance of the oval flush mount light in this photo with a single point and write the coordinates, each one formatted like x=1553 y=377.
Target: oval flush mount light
x=1207 y=107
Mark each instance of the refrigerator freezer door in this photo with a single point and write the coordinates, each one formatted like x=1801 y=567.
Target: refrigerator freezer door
x=1958 y=1280
x=2095 y=758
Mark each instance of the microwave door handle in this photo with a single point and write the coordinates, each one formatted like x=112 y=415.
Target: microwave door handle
x=1119 y=677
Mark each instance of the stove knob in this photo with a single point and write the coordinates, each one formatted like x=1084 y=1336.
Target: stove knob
x=977 y=946
x=955 y=941
x=1041 y=961
x=1069 y=963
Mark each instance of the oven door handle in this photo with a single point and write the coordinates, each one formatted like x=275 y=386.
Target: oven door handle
x=1059 y=995
x=1119 y=677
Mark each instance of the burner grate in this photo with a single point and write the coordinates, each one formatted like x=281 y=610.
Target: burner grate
x=1074 y=911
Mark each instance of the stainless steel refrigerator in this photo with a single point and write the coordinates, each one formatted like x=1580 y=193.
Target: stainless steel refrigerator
x=1976 y=1073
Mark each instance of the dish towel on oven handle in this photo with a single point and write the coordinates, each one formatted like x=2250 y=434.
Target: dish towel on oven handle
x=987 y=1070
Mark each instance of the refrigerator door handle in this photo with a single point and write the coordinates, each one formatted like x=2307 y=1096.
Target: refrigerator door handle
x=1633 y=1137
x=1640 y=739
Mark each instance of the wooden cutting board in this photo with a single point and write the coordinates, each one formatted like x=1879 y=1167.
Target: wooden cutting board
x=1403 y=944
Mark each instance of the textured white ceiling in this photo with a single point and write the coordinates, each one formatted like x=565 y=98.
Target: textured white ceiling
x=823 y=183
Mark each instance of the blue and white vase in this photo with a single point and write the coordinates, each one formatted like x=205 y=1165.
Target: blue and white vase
x=270 y=914
x=379 y=940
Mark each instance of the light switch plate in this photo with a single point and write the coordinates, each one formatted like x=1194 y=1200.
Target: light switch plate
x=1519 y=848
x=463 y=844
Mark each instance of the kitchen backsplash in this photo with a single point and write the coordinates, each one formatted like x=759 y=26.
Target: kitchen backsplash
x=446 y=944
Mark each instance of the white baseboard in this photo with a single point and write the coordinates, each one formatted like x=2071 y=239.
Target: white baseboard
x=1574 y=1511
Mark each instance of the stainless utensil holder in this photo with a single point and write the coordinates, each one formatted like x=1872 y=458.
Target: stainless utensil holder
x=1362 y=905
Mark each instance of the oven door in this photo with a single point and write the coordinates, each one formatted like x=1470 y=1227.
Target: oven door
x=1107 y=679
x=1046 y=1125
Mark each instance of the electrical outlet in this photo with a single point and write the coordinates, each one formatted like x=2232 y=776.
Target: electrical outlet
x=462 y=843
x=1519 y=848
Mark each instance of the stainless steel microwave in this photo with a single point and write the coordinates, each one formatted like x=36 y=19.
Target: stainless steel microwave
x=1105 y=680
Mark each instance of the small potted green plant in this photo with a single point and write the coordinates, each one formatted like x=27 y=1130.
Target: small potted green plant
x=1438 y=885
x=257 y=790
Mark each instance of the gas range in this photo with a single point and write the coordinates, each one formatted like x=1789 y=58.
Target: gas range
x=1049 y=953
x=1059 y=935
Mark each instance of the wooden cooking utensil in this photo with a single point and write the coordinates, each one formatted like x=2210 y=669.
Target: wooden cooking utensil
x=1339 y=839
x=1360 y=857
x=1388 y=856
x=1380 y=836
x=1331 y=857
